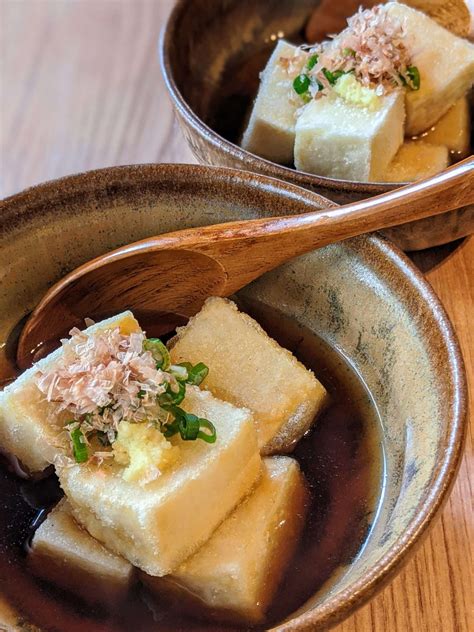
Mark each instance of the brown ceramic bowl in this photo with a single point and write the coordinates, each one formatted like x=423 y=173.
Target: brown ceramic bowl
x=363 y=296
x=211 y=56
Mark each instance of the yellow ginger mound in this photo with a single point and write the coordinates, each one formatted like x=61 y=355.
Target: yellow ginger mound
x=144 y=450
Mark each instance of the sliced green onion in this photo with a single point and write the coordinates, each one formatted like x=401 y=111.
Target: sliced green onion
x=349 y=52
x=159 y=352
x=329 y=76
x=169 y=430
x=306 y=96
x=190 y=427
x=79 y=446
x=414 y=75
x=180 y=371
x=312 y=61
x=187 y=365
x=141 y=394
x=208 y=438
x=301 y=84
x=332 y=77
x=172 y=398
x=197 y=374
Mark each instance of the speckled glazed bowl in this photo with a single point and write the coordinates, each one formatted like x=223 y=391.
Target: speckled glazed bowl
x=363 y=296
x=211 y=56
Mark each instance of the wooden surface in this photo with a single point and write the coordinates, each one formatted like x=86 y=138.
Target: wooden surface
x=80 y=88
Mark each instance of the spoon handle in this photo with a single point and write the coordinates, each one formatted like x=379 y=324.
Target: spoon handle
x=247 y=249
x=446 y=191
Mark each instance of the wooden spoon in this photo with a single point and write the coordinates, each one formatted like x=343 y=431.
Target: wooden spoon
x=175 y=272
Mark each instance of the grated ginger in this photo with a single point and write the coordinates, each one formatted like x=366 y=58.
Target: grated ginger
x=354 y=92
x=144 y=451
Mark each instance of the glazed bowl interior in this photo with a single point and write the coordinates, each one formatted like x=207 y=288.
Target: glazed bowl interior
x=362 y=296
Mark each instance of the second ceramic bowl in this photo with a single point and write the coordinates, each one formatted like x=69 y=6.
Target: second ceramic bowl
x=211 y=56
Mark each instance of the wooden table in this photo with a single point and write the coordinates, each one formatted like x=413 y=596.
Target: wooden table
x=81 y=88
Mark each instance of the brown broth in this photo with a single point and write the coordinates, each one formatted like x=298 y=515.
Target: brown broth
x=343 y=450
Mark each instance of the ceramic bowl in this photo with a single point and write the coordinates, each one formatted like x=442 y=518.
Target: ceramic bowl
x=211 y=56
x=363 y=296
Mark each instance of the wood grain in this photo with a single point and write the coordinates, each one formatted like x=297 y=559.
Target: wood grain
x=80 y=88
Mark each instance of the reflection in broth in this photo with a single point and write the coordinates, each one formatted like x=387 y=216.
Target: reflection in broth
x=343 y=451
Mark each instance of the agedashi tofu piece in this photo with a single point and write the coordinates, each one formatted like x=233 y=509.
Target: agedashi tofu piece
x=271 y=128
x=339 y=139
x=158 y=525
x=415 y=161
x=29 y=427
x=455 y=15
x=235 y=575
x=67 y=556
x=248 y=368
x=445 y=63
x=452 y=130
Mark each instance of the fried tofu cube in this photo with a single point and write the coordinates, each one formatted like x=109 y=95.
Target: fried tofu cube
x=66 y=555
x=248 y=368
x=271 y=128
x=453 y=130
x=235 y=575
x=415 y=161
x=29 y=428
x=157 y=525
x=455 y=15
x=445 y=63
x=360 y=148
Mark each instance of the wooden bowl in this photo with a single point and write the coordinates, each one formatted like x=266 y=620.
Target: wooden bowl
x=211 y=56
x=363 y=296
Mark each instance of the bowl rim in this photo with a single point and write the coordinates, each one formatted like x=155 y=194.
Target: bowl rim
x=252 y=161
x=343 y=604
x=359 y=592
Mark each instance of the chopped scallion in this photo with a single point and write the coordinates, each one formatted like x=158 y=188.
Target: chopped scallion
x=169 y=430
x=197 y=374
x=159 y=352
x=301 y=84
x=187 y=365
x=207 y=437
x=414 y=76
x=190 y=427
x=180 y=371
x=79 y=446
x=172 y=398
x=332 y=77
x=312 y=61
